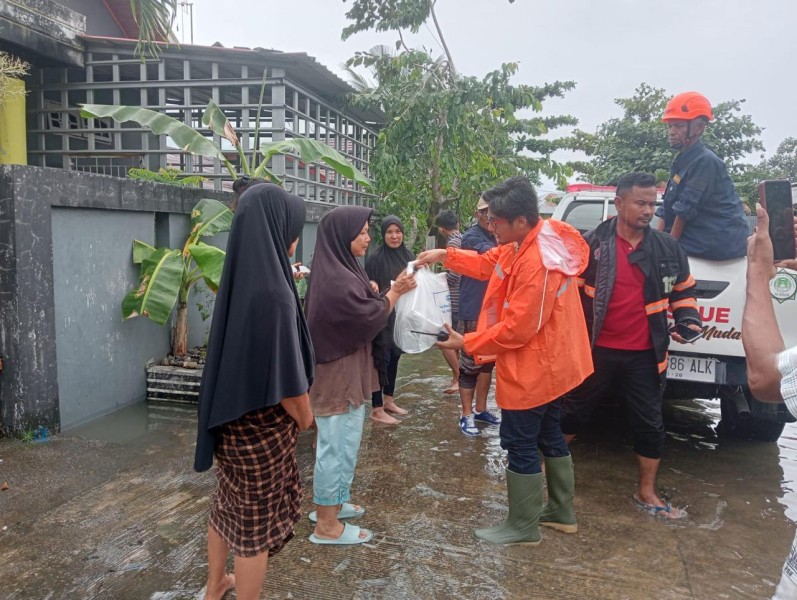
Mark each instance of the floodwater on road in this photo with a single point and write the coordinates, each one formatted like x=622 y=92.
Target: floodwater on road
x=113 y=510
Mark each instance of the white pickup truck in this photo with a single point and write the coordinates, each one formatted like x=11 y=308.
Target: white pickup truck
x=714 y=366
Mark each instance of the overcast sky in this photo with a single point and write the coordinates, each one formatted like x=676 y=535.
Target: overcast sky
x=725 y=49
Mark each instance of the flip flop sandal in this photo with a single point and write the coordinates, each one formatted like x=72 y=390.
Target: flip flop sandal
x=347 y=511
x=349 y=537
x=665 y=512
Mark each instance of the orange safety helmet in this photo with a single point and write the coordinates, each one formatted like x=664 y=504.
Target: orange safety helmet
x=688 y=106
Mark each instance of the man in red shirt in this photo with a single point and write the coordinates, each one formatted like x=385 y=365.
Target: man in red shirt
x=634 y=276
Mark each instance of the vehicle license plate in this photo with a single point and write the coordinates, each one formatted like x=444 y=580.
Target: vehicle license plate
x=691 y=368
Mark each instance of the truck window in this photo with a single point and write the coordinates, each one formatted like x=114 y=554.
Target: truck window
x=584 y=215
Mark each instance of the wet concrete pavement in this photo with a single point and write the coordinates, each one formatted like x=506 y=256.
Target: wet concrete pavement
x=113 y=510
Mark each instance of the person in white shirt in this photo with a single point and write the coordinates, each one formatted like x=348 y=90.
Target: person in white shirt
x=771 y=368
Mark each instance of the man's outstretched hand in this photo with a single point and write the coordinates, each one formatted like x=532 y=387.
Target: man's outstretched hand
x=454 y=342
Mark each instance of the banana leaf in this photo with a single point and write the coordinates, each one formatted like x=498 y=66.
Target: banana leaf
x=263 y=171
x=216 y=120
x=314 y=151
x=141 y=251
x=188 y=139
x=209 y=217
x=158 y=287
x=210 y=261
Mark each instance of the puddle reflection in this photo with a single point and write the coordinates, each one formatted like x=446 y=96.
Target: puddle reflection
x=135 y=423
x=754 y=469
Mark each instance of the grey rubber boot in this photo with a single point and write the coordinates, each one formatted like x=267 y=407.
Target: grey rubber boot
x=559 y=512
x=525 y=505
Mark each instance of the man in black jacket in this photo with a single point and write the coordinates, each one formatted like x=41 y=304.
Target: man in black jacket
x=634 y=276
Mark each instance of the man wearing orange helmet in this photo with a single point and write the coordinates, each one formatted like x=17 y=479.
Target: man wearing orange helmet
x=701 y=208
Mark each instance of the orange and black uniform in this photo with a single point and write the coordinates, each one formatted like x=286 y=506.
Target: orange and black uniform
x=626 y=294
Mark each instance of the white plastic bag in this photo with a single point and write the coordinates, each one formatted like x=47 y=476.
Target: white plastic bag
x=426 y=308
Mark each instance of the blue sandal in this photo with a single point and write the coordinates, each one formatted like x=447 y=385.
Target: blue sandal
x=665 y=512
x=349 y=537
x=347 y=511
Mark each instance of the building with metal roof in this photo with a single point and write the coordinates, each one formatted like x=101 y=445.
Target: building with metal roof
x=90 y=58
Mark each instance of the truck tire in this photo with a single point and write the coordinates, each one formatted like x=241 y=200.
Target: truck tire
x=744 y=417
x=766 y=431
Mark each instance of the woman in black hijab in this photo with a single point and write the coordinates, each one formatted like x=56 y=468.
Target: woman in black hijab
x=383 y=266
x=254 y=395
x=344 y=315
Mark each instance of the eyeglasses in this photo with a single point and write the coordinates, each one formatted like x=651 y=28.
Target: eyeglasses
x=482 y=212
x=493 y=221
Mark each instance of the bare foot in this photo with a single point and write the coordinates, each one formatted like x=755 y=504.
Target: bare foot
x=380 y=416
x=219 y=591
x=392 y=407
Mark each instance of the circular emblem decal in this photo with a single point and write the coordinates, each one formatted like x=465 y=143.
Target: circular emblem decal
x=783 y=286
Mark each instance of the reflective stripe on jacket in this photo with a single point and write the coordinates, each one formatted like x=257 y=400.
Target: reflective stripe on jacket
x=528 y=322
x=668 y=283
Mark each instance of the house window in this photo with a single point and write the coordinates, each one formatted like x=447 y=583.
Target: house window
x=69 y=120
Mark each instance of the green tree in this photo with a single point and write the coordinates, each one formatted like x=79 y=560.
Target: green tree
x=446 y=137
x=637 y=141
x=783 y=165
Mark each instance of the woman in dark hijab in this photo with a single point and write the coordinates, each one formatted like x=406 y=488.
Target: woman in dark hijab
x=383 y=266
x=254 y=395
x=344 y=315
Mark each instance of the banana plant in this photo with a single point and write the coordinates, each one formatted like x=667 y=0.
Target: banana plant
x=168 y=274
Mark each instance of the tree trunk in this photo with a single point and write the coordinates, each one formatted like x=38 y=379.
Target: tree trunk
x=180 y=331
x=452 y=72
x=438 y=201
x=412 y=234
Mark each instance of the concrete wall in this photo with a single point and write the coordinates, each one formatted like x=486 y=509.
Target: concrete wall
x=65 y=265
x=95 y=349
x=98 y=19
x=42 y=31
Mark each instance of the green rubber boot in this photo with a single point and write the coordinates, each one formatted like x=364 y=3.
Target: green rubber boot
x=525 y=505
x=558 y=512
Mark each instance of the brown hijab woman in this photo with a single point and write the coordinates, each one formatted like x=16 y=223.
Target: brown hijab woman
x=344 y=315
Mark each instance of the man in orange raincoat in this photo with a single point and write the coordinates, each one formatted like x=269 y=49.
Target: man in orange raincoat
x=530 y=326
